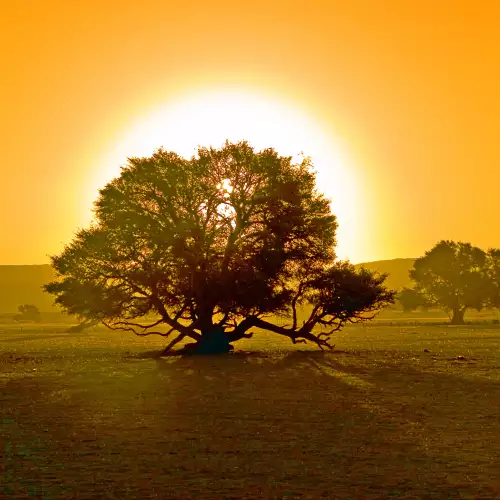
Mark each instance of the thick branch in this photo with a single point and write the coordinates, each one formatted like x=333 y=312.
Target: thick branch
x=239 y=331
x=185 y=330
x=300 y=336
x=174 y=341
x=133 y=330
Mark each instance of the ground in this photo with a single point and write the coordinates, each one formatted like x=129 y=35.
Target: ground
x=99 y=415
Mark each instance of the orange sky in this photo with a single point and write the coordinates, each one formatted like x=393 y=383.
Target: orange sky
x=409 y=88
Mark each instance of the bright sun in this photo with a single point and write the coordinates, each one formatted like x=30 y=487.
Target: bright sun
x=209 y=118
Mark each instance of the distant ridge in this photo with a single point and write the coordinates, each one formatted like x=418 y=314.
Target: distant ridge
x=23 y=284
x=398 y=270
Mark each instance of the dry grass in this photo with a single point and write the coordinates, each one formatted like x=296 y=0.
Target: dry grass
x=98 y=415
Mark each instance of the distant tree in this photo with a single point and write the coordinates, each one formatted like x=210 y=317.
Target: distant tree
x=28 y=312
x=493 y=267
x=411 y=300
x=454 y=276
x=215 y=246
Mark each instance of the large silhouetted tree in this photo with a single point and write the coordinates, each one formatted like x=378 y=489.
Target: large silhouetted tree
x=455 y=276
x=215 y=245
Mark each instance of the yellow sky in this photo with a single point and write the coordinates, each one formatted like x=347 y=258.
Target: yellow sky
x=409 y=90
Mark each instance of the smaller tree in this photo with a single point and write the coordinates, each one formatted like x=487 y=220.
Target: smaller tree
x=411 y=299
x=28 y=312
x=493 y=268
x=454 y=276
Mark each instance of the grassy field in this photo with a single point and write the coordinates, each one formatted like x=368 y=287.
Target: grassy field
x=99 y=415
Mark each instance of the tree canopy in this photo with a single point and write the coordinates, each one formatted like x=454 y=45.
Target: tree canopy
x=457 y=276
x=229 y=240
x=28 y=312
x=410 y=299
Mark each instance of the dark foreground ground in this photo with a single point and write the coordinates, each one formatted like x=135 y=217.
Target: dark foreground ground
x=96 y=415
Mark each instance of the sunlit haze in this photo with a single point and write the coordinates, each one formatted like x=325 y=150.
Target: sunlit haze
x=396 y=103
x=211 y=117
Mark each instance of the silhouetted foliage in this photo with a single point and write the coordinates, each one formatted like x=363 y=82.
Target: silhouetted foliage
x=28 y=312
x=225 y=241
x=457 y=276
x=493 y=266
x=411 y=300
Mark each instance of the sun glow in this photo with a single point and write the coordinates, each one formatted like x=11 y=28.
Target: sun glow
x=209 y=118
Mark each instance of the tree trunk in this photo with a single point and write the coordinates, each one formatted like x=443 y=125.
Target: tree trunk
x=458 y=316
x=213 y=341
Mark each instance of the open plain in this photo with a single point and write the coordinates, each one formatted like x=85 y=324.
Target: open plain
x=395 y=411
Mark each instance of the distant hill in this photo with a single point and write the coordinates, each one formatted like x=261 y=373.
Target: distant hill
x=23 y=284
x=397 y=268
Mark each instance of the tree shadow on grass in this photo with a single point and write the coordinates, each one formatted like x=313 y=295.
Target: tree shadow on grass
x=397 y=426
x=254 y=425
